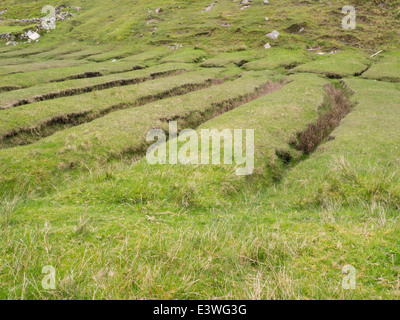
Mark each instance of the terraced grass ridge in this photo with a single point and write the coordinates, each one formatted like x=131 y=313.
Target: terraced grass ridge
x=78 y=192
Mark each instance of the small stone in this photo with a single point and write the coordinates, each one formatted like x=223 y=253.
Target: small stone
x=273 y=35
x=33 y=35
x=210 y=7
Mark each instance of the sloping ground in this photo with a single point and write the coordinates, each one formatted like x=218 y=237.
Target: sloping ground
x=185 y=55
x=230 y=58
x=208 y=186
x=227 y=25
x=74 y=87
x=386 y=69
x=34 y=66
x=27 y=79
x=129 y=217
x=80 y=197
x=117 y=133
x=28 y=124
x=14 y=61
x=23 y=52
x=339 y=65
x=277 y=57
x=360 y=166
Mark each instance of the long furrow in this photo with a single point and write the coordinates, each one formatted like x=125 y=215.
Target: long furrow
x=37 y=65
x=360 y=162
x=275 y=119
x=22 y=53
x=87 y=70
x=74 y=87
x=120 y=133
x=29 y=123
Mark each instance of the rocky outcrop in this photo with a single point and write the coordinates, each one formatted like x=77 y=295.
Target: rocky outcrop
x=33 y=34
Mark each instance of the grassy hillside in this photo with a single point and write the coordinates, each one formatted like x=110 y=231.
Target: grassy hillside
x=77 y=192
x=226 y=25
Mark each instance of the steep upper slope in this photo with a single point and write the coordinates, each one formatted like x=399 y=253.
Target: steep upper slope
x=222 y=23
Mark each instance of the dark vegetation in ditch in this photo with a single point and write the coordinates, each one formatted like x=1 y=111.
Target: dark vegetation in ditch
x=335 y=107
x=333 y=110
x=196 y=118
x=25 y=136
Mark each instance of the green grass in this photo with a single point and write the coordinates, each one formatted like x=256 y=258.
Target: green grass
x=360 y=166
x=257 y=247
x=338 y=65
x=113 y=54
x=13 y=29
x=77 y=193
x=78 y=86
x=168 y=188
x=58 y=51
x=37 y=116
x=67 y=147
x=84 y=53
x=386 y=69
x=230 y=58
x=14 y=61
x=61 y=73
x=150 y=54
x=185 y=55
x=61 y=147
x=24 y=50
x=225 y=26
x=35 y=66
x=277 y=57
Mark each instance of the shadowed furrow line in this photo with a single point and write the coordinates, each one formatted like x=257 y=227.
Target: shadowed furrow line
x=338 y=108
x=359 y=164
x=21 y=53
x=275 y=118
x=89 y=88
x=46 y=126
x=63 y=73
x=8 y=88
x=70 y=152
x=195 y=118
x=37 y=66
